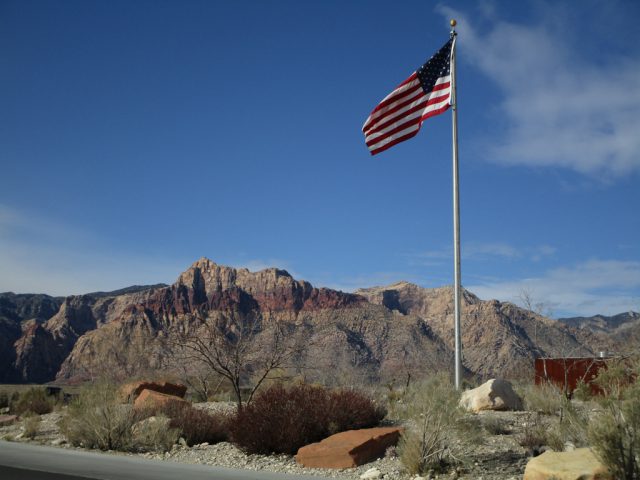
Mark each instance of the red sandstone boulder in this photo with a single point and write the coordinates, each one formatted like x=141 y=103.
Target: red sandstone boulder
x=6 y=420
x=130 y=391
x=349 y=449
x=153 y=399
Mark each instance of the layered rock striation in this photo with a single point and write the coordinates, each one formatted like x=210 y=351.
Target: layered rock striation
x=395 y=332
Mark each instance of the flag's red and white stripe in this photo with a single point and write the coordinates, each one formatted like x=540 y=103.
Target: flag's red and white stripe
x=400 y=114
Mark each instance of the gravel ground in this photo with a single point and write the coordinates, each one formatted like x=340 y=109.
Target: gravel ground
x=497 y=457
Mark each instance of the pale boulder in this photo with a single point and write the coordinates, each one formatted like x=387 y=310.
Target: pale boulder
x=579 y=464
x=371 y=474
x=496 y=394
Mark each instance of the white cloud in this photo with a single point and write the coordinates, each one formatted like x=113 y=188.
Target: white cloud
x=560 y=109
x=41 y=256
x=593 y=287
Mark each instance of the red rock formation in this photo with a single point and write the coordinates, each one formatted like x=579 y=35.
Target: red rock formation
x=153 y=399
x=6 y=420
x=349 y=449
x=389 y=332
x=131 y=391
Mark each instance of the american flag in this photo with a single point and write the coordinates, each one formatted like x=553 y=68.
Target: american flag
x=399 y=116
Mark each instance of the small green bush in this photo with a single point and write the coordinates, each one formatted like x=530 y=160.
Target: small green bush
x=34 y=400
x=434 y=421
x=193 y=424
x=31 y=423
x=615 y=432
x=534 y=434
x=281 y=420
x=568 y=425
x=95 y=419
x=546 y=398
x=582 y=391
x=154 y=434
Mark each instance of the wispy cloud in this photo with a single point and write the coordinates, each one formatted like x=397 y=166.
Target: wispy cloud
x=560 y=109
x=592 y=287
x=482 y=251
x=38 y=255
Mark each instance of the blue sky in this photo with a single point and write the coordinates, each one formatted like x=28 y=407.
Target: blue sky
x=139 y=136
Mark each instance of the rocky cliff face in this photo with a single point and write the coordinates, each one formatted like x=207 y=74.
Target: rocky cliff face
x=497 y=338
x=617 y=333
x=380 y=333
x=357 y=337
x=35 y=351
x=603 y=323
x=18 y=314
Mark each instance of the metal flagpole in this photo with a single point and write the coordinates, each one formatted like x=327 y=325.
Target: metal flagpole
x=456 y=213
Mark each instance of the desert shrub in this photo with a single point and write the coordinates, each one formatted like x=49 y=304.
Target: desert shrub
x=351 y=410
x=534 y=433
x=4 y=400
x=281 y=420
x=154 y=434
x=198 y=426
x=572 y=425
x=494 y=426
x=582 y=391
x=95 y=419
x=568 y=425
x=615 y=432
x=193 y=424
x=31 y=423
x=469 y=429
x=34 y=400
x=546 y=398
x=433 y=418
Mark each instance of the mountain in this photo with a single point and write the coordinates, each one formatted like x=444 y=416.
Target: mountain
x=623 y=329
x=604 y=324
x=498 y=338
x=375 y=334
x=19 y=312
x=346 y=335
x=37 y=331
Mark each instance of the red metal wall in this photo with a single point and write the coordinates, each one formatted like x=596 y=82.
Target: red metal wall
x=576 y=369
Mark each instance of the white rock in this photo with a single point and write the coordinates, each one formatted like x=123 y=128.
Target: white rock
x=496 y=394
x=371 y=474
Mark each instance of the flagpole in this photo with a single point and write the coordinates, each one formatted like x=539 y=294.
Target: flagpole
x=456 y=214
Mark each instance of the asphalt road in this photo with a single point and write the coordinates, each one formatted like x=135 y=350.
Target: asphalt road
x=20 y=461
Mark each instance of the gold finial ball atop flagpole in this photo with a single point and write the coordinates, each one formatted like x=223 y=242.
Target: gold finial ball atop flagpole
x=453 y=22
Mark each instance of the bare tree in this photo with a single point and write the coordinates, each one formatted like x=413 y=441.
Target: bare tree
x=245 y=350
x=533 y=306
x=200 y=379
